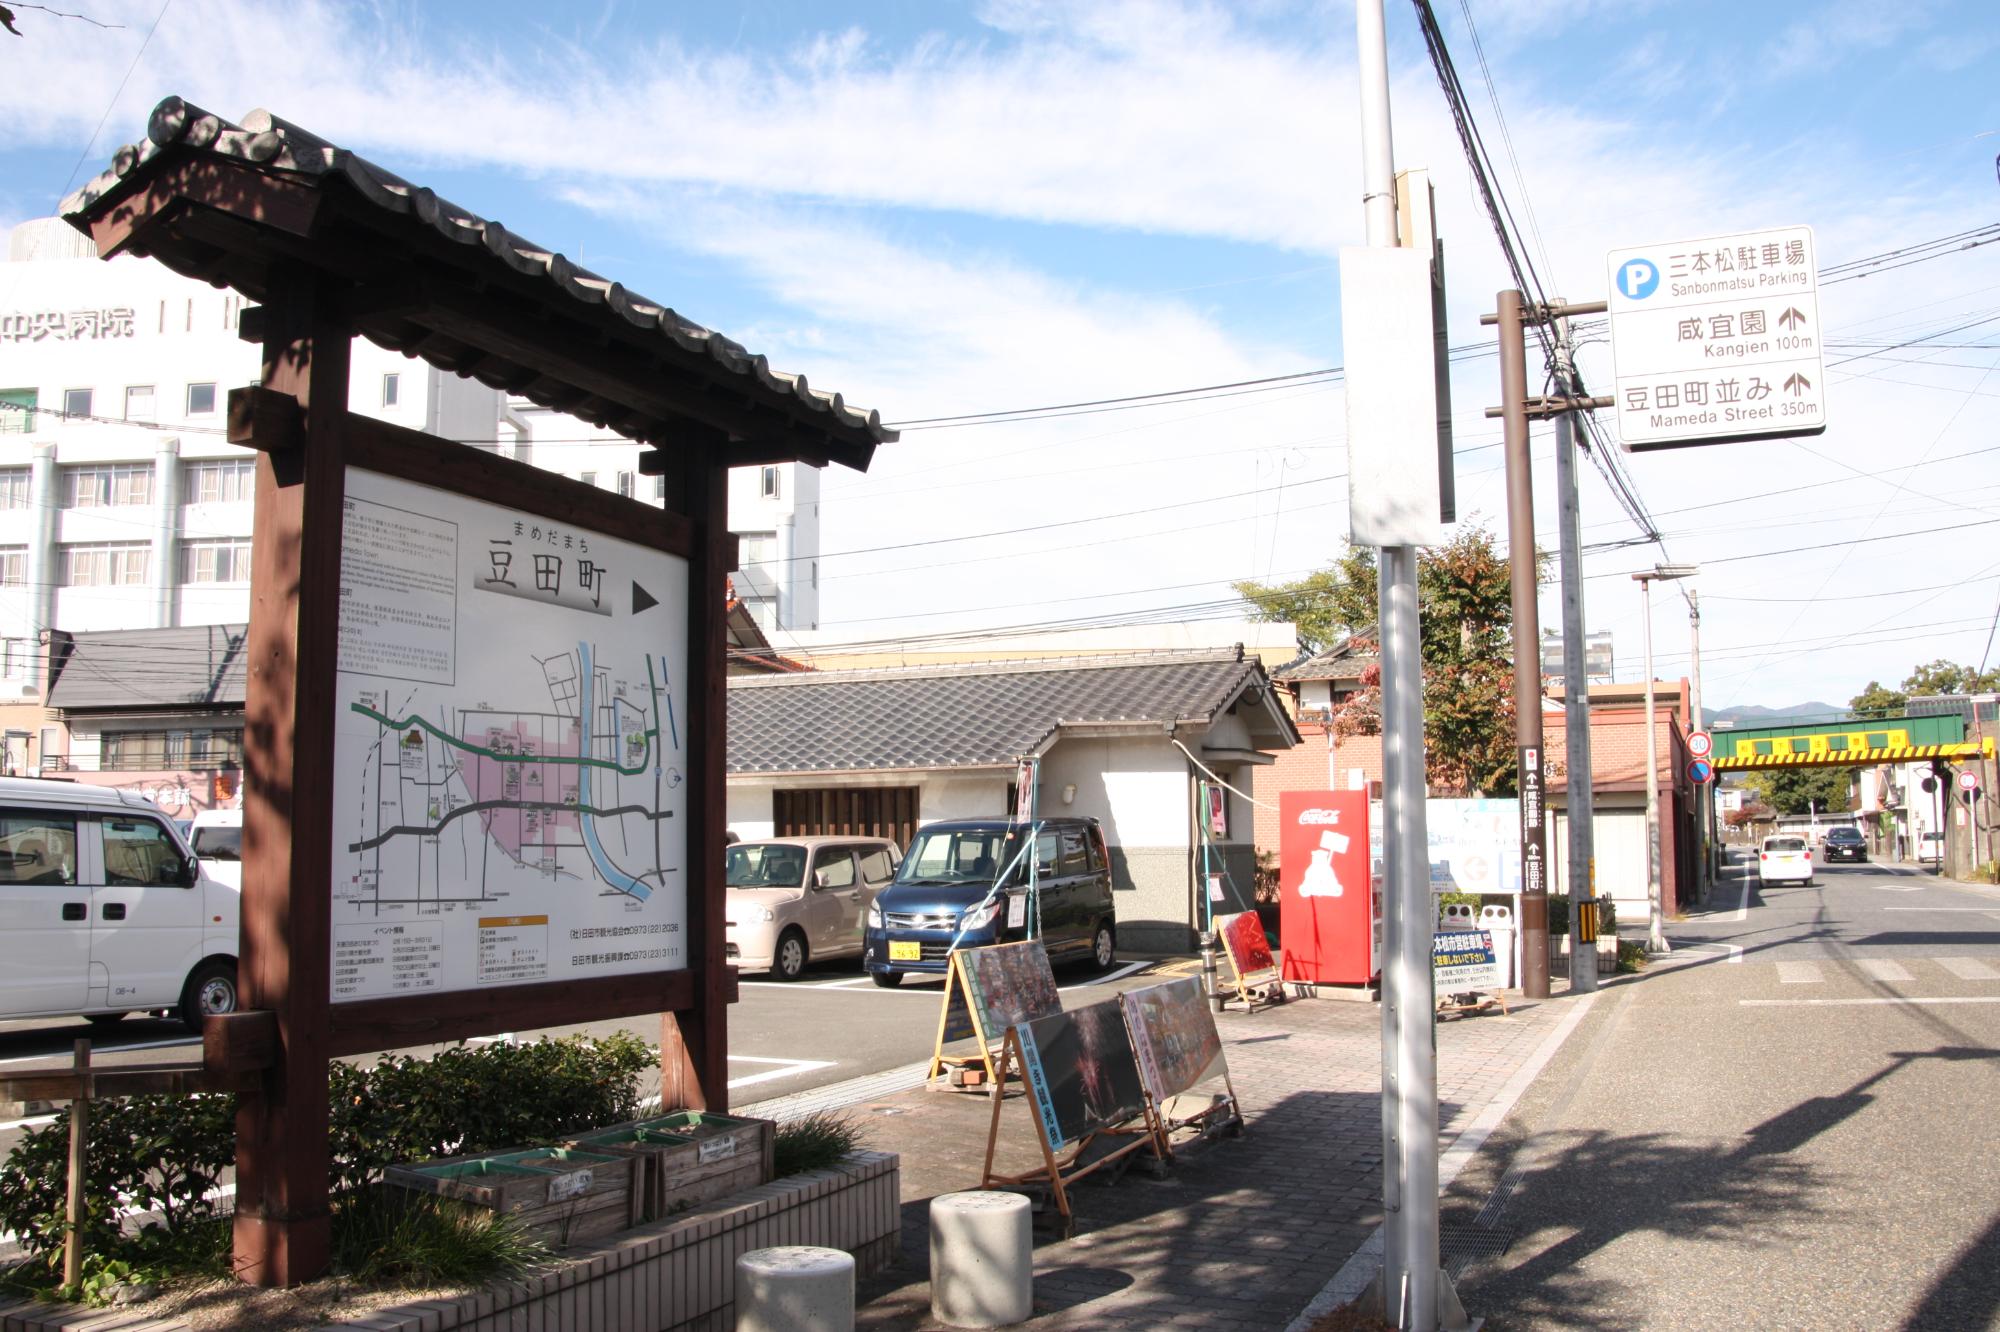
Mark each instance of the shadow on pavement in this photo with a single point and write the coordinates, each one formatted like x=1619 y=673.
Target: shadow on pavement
x=1251 y=1225
x=1966 y=1294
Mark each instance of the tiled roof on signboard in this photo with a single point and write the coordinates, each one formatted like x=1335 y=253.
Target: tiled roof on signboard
x=149 y=670
x=179 y=132
x=958 y=716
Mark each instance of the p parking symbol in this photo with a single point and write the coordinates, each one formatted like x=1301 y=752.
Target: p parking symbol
x=1638 y=278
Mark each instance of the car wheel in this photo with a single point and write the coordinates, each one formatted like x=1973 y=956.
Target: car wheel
x=211 y=989
x=888 y=980
x=1103 y=947
x=789 y=963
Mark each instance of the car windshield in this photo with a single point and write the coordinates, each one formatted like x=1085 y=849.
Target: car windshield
x=967 y=855
x=215 y=842
x=764 y=865
x=1844 y=835
x=1785 y=844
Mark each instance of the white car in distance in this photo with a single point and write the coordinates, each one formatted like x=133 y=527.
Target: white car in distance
x=1785 y=858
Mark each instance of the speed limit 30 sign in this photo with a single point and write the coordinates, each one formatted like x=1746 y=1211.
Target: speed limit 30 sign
x=1700 y=744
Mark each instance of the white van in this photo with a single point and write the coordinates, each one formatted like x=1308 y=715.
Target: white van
x=217 y=839
x=104 y=911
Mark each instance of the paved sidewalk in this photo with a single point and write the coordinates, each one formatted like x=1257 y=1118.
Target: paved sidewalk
x=1242 y=1232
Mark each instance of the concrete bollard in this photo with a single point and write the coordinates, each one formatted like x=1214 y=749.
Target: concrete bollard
x=982 y=1259
x=795 y=1288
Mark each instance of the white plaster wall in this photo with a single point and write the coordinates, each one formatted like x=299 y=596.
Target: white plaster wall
x=748 y=812
x=1137 y=788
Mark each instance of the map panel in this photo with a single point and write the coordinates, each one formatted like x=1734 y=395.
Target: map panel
x=509 y=795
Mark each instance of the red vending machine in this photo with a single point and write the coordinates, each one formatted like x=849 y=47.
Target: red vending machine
x=1330 y=912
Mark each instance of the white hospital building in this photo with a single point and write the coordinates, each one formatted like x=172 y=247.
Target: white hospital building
x=123 y=509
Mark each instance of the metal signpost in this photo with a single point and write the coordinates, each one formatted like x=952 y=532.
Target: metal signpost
x=1717 y=339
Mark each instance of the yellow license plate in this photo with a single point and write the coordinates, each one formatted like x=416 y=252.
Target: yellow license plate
x=905 y=950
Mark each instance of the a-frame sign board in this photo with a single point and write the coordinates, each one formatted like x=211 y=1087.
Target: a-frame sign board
x=393 y=572
x=987 y=990
x=1061 y=1168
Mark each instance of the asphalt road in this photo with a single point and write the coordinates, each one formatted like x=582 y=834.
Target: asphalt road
x=1786 y=1125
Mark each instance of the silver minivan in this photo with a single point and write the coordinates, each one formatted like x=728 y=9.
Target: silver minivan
x=105 y=911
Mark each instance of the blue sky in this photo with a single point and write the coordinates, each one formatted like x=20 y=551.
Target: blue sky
x=940 y=208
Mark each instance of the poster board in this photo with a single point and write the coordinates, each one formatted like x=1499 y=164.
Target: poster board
x=986 y=991
x=1081 y=1071
x=1464 y=960
x=1083 y=1084
x=1173 y=1034
x=1257 y=979
x=508 y=779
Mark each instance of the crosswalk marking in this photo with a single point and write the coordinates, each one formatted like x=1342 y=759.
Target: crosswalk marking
x=1799 y=973
x=1968 y=968
x=1882 y=969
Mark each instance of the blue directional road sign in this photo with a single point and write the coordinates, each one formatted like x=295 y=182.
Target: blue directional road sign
x=1700 y=771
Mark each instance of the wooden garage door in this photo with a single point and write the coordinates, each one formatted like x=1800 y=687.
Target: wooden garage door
x=868 y=811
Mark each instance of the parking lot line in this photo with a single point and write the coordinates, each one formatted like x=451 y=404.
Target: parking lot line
x=789 y=1068
x=1968 y=968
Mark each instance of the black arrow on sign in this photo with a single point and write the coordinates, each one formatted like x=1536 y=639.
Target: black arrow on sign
x=1798 y=384
x=642 y=600
x=1791 y=318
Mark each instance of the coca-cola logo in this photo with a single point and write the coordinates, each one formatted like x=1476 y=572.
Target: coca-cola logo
x=1316 y=816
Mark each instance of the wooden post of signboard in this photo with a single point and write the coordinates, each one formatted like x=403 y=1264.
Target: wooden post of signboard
x=282 y=1221
x=694 y=1042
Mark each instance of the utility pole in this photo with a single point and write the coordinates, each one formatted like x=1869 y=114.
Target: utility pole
x=1525 y=591
x=1704 y=794
x=1578 y=798
x=1411 y=1290
x=1656 y=925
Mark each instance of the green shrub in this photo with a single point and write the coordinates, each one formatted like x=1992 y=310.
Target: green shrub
x=813 y=1142
x=165 y=1154
x=1631 y=955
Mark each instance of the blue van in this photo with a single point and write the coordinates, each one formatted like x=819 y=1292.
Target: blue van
x=951 y=889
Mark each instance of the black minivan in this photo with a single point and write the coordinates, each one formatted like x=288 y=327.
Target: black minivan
x=965 y=883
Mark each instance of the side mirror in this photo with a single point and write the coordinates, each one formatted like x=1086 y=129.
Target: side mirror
x=819 y=878
x=190 y=872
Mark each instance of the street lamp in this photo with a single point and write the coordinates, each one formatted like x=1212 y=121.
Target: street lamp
x=1656 y=931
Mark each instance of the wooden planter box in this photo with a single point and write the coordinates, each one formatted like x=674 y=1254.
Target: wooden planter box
x=689 y=1157
x=565 y=1196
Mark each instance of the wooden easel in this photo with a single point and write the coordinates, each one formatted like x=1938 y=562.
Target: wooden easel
x=955 y=986
x=1262 y=988
x=1059 y=1173
x=1481 y=1000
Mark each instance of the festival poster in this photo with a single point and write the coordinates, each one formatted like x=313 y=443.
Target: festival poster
x=1009 y=984
x=1082 y=1071
x=1173 y=1033
x=1243 y=938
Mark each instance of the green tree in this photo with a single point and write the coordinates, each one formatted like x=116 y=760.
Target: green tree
x=1802 y=790
x=1949 y=677
x=1876 y=702
x=1464 y=614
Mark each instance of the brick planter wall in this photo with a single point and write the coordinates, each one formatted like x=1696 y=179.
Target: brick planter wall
x=673 y=1276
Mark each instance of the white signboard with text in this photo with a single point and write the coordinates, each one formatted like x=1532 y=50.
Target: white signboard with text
x=1717 y=339
x=508 y=794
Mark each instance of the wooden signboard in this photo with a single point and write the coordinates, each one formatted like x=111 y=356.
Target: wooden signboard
x=986 y=991
x=1083 y=1085
x=1256 y=977
x=1174 y=1036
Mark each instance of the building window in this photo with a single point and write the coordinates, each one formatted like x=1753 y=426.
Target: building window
x=152 y=751
x=392 y=390
x=17 y=411
x=768 y=482
x=588 y=478
x=122 y=564
x=13 y=486
x=815 y=575
x=215 y=562
x=18 y=662
x=660 y=490
x=139 y=403
x=109 y=483
x=76 y=402
x=220 y=481
x=201 y=400
x=625 y=484
x=759 y=548
x=13 y=566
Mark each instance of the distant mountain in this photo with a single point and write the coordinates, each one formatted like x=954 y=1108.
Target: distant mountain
x=1754 y=714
